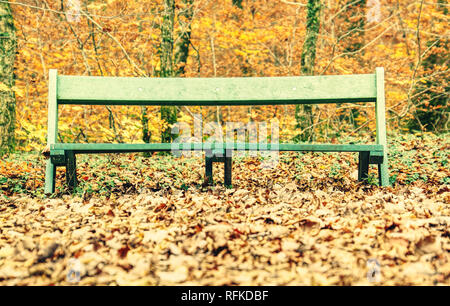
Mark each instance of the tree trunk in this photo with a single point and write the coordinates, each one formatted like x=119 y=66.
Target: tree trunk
x=168 y=113
x=8 y=46
x=352 y=39
x=312 y=32
x=174 y=55
x=167 y=39
x=183 y=42
x=303 y=113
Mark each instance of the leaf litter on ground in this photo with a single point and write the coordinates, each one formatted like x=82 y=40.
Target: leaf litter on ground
x=150 y=221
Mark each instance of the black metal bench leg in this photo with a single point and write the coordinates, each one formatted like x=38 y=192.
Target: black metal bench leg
x=71 y=170
x=208 y=168
x=228 y=162
x=363 y=166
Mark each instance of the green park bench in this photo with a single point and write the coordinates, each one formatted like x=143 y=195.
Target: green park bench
x=82 y=90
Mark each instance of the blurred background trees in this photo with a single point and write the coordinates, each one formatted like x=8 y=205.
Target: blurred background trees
x=227 y=38
x=8 y=46
x=431 y=91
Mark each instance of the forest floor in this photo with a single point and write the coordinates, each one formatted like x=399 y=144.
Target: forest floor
x=150 y=221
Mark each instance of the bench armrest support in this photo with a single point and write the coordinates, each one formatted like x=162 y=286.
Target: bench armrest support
x=52 y=128
x=380 y=109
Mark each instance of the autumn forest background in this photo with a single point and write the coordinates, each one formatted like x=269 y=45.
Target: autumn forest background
x=149 y=219
x=223 y=39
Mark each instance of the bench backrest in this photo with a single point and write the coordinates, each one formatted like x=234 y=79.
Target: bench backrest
x=216 y=91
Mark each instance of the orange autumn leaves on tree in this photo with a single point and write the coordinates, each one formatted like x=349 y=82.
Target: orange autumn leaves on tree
x=263 y=38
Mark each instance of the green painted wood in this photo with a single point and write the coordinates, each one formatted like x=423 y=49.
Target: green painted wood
x=216 y=91
x=52 y=129
x=380 y=175
x=85 y=148
x=377 y=153
x=380 y=110
x=50 y=173
x=57 y=153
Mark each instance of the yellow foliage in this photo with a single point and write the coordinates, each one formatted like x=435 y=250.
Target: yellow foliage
x=265 y=38
x=4 y=87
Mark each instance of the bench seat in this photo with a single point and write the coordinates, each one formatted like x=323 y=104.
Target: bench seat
x=64 y=154
x=87 y=148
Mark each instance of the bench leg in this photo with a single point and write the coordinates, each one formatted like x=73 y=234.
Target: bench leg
x=363 y=166
x=380 y=110
x=50 y=173
x=383 y=173
x=228 y=167
x=226 y=160
x=208 y=170
x=71 y=170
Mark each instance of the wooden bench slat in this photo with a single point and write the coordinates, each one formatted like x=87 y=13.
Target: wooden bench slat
x=216 y=91
x=112 y=148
